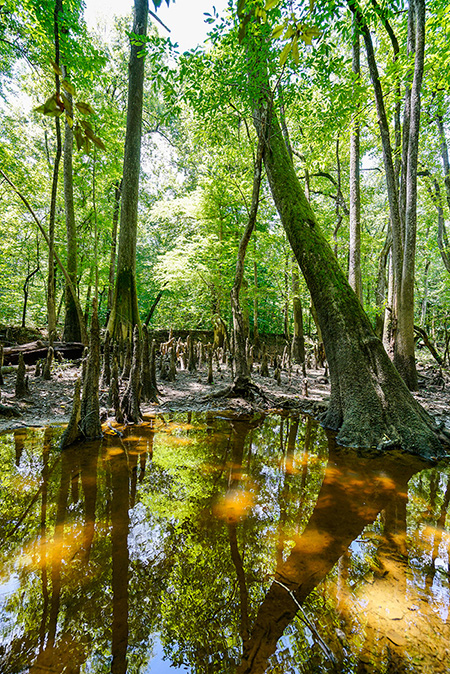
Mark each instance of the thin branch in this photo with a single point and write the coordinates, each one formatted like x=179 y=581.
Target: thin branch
x=159 y=20
x=57 y=258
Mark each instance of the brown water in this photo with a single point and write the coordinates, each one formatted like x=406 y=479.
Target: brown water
x=206 y=544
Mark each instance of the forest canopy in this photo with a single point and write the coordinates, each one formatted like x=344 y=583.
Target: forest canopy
x=196 y=160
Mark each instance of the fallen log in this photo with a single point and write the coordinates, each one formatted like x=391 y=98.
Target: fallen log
x=34 y=351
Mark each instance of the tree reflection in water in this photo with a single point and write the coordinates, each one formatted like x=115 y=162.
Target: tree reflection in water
x=200 y=539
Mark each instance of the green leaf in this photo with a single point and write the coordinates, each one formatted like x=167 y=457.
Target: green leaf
x=277 y=31
x=84 y=108
x=56 y=68
x=295 y=54
x=79 y=136
x=291 y=31
x=50 y=108
x=69 y=120
x=270 y=4
x=95 y=139
x=285 y=53
x=68 y=87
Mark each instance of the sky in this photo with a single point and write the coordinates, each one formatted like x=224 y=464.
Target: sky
x=185 y=18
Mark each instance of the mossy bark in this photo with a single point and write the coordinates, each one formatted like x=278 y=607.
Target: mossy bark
x=370 y=405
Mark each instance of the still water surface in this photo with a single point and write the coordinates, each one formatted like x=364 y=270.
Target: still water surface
x=202 y=543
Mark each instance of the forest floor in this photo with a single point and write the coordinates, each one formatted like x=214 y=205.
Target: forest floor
x=50 y=402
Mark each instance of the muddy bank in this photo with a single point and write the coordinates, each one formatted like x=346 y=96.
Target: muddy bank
x=49 y=402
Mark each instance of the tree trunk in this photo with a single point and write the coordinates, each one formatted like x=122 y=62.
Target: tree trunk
x=112 y=258
x=51 y=303
x=256 y=339
x=380 y=291
x=298 y=340
x=404 y=358
x=72 y=330
x=124 y=313
x=90 y=426
x=354 y=266
x=369 y=404
x=403 y=228
x=242 y=374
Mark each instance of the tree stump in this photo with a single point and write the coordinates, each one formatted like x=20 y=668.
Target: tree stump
x=264 y=372
x=21 y=388
x=114 y=396
x=149 y=392
x=72 y=432
x=210 y=366
x=46 y=370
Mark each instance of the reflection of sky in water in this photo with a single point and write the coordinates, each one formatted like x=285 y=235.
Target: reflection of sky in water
x=159 y=664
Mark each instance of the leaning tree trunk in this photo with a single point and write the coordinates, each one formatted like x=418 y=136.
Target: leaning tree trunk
x=370 y=404
x=124 y=312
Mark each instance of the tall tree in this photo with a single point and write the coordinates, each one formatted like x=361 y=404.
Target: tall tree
x=403 y=201
x=72 y=329
x=124 y=312
x=370 y=404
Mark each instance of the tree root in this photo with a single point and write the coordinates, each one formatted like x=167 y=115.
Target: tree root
x=241 y=389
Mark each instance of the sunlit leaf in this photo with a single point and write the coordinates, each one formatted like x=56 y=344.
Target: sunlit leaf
x=84 y=108
x=56 y=68
x=50 y=108
x=285 y=53
x=69 y=120
x=295 y=54
x=95 y=139
x=67 y=86
x=270 y=4
x=86 y=125
x=291 y=31
x=277 y=31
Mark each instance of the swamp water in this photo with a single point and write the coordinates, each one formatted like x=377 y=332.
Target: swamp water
x=167 y=549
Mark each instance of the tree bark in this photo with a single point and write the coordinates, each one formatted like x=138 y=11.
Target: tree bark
x=404 y=358
x=403 y=201
x=242 y=374
x=72 y=330
x=124 y=313
x=51 y=302
x=354 y=266
x=112 y=258
x=298 y=340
